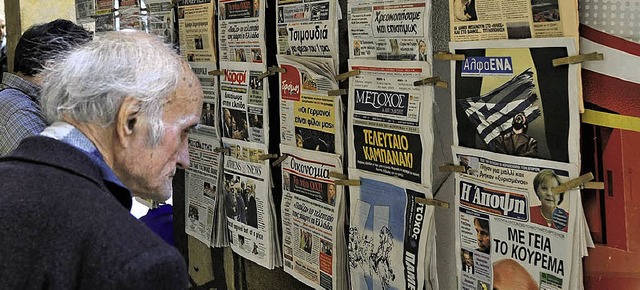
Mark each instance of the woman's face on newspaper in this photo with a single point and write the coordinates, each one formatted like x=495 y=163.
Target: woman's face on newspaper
x=547 y=198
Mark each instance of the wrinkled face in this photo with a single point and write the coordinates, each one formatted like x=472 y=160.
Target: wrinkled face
x=484 y=238
x=546 y=196
x=152 y=169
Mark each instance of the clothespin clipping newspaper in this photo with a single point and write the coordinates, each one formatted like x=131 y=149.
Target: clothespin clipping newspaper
x=594 y=56
x=581 y=182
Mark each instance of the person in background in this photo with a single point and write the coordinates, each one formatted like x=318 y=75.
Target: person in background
x=3 y=43
x=123 y=106
x=20 y=113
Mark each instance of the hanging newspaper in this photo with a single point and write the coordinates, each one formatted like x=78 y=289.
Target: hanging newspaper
x=397 y=30
x=245 y=111
x=161 y=19
x=313 y=218
x=308 y=29
x=508 y=98
x=104 y=7
x=473 y=20
x=129 y=15
x=196 y=24
x=105 y=19
x=248 y=203
x=209 y=124
x=201 y=189
x=85 y=9
x=391 y=235
x=512 y=227
x=309 y=117
x=241 y=31
x=390 y=120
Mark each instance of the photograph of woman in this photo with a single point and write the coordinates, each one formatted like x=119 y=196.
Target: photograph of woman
x=548 y=213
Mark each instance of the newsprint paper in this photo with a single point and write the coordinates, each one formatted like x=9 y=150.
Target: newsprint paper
x=391 y=241
x=204 y=218
x=511 y=227
x=309 y=117
x=473 y=20
x=313 y=218
x=390 y=120
x=390 y=30
x=251 y=221
x=510 y=99
x=308 y=29
x=241 y=31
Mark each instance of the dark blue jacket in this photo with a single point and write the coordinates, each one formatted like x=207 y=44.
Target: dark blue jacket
x=62 y=227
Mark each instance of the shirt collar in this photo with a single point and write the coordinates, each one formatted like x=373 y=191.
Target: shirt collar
x=67 y=133
x=16 y=82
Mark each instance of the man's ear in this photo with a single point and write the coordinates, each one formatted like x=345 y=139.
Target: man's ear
x=128 y=120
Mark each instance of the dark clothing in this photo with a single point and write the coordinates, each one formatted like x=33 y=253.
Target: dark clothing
x=252 y=212
x=64 y=227
x=160 y=221
x=516 y=144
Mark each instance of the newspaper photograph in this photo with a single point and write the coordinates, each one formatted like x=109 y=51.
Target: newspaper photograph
x=209 y=124
x=397 y=30
x=389 y=233
x=244 y=102
x=512 y=227
x=308 y=28
x=390 y=119
x=241 y=31
x=160 y=15
x=309 y=117
x=312 y=218
x=473 y=20
x=85 y=9
x=201 y=188
x=246 y=185
x=196 y=25
x=509 y=99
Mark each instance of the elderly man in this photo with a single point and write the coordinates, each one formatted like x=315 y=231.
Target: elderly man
x=123 y=106
x=20 y=113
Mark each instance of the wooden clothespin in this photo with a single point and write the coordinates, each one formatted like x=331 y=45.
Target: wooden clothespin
x=452 y=168
x=225 y=151
x=280 y=159
x=431 y=81
x=267 y=156
x=272 y=71
x=348 y=182
x=344 y=76
x=338 y=92
x=432 y=201
x=338 y=175
x=443 y=55
x=578 y=58
x=577 y=182
x=217 y=72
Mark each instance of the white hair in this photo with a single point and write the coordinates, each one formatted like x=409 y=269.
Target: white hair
x=90 y=84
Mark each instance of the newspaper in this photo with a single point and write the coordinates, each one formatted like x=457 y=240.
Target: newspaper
x=309 y=117
x=161 y=20
x=251 y=216
x=244 y=99
x=508 y=98
x=308 y=29
x=473 y=20
x=511 y=226
x=390 y=119
x=202 y=191
x=104 y=7
x=209 y=124
x=196 y=24
x=241 y=31
x=85 y=9
x=313 y=218
x=390 y=241
x=128 y=16
x=397 y=30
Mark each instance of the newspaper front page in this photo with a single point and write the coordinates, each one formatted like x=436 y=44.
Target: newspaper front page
x=196 y=23
x=308 y=28
x=473 y=20
x=241 y=31
x=309 y=117
x=390 y=30
x=512 y=227
x=161 y=20
x=313 y=218
x=390 y=241
x=246 y=186
x=201 y=189
x=85 y=9
x=244 y=102
x=508 y=98
x=390 y=119
x=209 y=124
